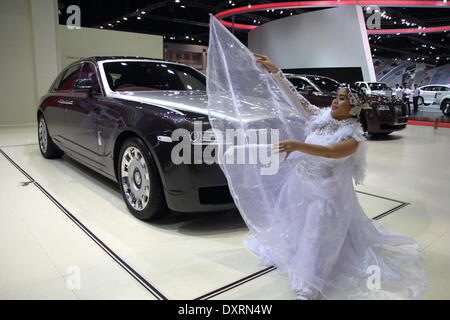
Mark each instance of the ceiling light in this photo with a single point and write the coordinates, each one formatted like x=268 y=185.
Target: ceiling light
x=183 y=6
x=125 y=18
x=143 y=12
x=139 y=18
x=187 y=37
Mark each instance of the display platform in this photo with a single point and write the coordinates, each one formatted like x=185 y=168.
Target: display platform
x=183 y=256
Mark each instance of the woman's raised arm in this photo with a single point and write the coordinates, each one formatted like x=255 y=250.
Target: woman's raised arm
x=287 y=87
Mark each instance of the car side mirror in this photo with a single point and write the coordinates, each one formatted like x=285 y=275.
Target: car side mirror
x=83 y=84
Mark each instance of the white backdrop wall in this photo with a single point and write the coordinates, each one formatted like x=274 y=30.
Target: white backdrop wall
x=34 y=48
x=332 y=38
x=87 y=42
x=18 y=85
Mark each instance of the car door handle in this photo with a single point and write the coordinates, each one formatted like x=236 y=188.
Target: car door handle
x=67 y=102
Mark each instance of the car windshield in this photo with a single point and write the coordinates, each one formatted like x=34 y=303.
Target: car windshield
x=150 y=76
x=378 y=86
x=324 y=84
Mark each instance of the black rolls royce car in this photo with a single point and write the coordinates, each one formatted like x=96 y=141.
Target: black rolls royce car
x=116 y=116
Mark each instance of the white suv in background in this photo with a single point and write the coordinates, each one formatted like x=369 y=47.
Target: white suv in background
x=376 y=88
x=430 y=92
x=439 y=94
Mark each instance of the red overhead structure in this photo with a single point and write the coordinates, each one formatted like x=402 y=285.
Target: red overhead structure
x=335 y=3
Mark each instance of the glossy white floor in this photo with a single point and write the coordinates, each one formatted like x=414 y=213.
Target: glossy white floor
x=45 y=254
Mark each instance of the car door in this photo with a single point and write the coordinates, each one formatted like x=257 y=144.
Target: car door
x=443 y=91
x=81 y=117
x=428 y=93
x=56 y=108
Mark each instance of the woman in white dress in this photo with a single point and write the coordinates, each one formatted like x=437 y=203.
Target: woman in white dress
x=329 y=248
x=305 y=219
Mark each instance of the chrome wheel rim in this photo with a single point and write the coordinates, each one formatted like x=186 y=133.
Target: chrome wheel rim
x=43 y=135
x=135 y=178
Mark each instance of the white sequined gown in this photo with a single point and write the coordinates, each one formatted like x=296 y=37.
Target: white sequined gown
x=323 y=240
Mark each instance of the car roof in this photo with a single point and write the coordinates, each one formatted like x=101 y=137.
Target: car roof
x=370 y=82
x=306 y=76
x=436 y=85
x=96 y=59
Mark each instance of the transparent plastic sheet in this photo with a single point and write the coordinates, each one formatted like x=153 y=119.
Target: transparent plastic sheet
x=242 y=96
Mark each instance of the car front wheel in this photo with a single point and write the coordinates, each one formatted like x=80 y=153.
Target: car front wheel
x=445 y=107
x=139 y=181
x=48 y=148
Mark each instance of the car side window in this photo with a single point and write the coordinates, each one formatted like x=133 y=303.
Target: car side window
x=445 y=89
x=299 y=84
x=88 y=72
x=68 y=79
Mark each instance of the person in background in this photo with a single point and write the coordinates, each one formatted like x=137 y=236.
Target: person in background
x=398 y=91
x=406 y=95
x=416 y=93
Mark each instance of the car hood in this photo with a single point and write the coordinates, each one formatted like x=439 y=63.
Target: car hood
x=185 y=102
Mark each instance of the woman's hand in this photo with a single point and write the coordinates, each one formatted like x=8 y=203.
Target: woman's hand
x=287 y=146
x=266 y=63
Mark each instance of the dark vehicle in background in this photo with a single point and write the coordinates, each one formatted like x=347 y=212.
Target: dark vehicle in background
x=386 y=114
x=116 y=116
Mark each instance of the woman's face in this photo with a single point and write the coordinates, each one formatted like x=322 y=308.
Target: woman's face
x=340 y=106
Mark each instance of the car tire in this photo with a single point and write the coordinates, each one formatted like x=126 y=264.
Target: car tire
x=46 y=145
x=139 y=181
x=445 y=107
